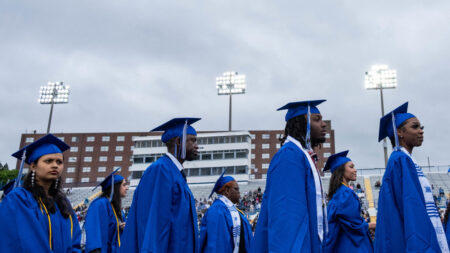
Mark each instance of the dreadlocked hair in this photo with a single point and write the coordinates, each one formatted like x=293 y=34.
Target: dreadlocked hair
x=296 y=128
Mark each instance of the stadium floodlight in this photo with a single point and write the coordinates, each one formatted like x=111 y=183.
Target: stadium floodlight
x=54 y=93
x=228 y=84
x=380 y=77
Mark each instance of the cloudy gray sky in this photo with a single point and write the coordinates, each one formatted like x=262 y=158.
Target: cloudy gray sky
x=132 y=65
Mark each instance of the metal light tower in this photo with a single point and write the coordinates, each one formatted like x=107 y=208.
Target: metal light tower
x=380 y=77
x=54 y=93
x=228 y=84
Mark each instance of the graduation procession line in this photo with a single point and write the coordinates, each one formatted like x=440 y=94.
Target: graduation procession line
x=294 y=217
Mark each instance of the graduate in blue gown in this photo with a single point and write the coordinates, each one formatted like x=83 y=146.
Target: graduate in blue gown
x=219 y=232
x=446 y=223
x=293 y=212
x=8 y=187
x=38 y=217
x=104 y=220
x=162 y=217
x=407 y=220
x=347 y=230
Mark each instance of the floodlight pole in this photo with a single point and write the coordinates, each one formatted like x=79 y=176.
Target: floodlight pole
x=51 y=111
x=382 y=114
x=229 y=114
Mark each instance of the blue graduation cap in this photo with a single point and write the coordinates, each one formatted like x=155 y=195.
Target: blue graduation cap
x=220 y=183
x=109 y=181
x=295 y=109
x=391 y=121
x=336 y=160
x=177 y=127
x=48 y=144
x=8 y=187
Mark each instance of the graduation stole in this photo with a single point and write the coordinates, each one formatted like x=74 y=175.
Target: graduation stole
x=430 y=206
x=321 y=208
x=236 y=221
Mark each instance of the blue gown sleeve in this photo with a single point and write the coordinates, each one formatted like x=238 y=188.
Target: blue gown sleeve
x=95 y=227
x=288 y=218
x=215 y=235
x=21 y=231
x=76 y=234
x=409 y=197
x=157 y=216
x=349 y=218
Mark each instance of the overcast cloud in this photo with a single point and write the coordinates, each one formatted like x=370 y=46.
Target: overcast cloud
x=132 y=65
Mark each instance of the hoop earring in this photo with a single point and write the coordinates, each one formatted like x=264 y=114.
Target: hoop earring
x=56 y=183
x=33 y=178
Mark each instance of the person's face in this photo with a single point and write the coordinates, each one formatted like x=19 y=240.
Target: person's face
x=411 y=134
x=318 y=128
x=48 y=167
x=123 y=189
x=232 y=193
x=350 y=171
x=191 y=147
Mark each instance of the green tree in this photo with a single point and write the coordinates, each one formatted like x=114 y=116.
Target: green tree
x=6 y=175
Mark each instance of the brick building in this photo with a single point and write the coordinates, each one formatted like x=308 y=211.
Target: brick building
x=93 y=156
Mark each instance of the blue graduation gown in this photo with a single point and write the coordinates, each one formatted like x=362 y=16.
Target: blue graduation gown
x=101 y=227
x=403 y=224
x=347 y=230
x=288 y=218
x=216 y=230
x=25 y=229
x=447 y=231
x=162 y=217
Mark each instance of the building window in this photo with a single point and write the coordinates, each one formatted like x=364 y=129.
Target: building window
x=70 y=169
x=326 y=145
x=61 y=138
x=85 y=180
x=29 y=139
x=101 y=169
x=105 y=138
x=326 y=154
x=74 y=139
x=69 y=180
x=265 y=156
x=119 y=148
x=118 y=158
x=279 y=136
x=86 y=169
x=253 y=146
x=278 y=145
x=252 y=166
x=265 y=136
x=72 y=159
x=89 y=149
x=73 y=149
x=265 y=146
x=264 y=176
x=104 y=148
x=265 y=166
x=327 y=135
x=103 y=158
x=90 y=139
x=100 y=179
x=88 y=159
x=252 y=136
x=252 y=176
x=120 y=138
x=253 y=156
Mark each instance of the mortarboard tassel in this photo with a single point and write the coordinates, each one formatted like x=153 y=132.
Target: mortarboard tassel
x=308 y=129
x=19 y=176
x=183 y=141
x=394 y=128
